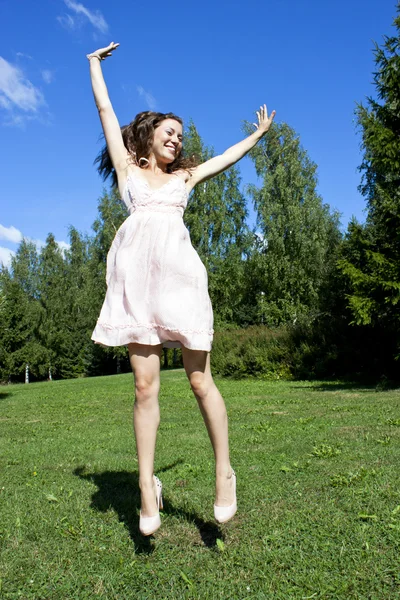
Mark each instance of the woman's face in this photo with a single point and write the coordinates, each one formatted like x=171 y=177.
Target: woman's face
x=167 y=142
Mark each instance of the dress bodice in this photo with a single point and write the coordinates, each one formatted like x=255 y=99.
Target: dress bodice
x=171 y=197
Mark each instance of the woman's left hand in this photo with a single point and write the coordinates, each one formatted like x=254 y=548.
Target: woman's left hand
x=264 y=121
x=102 y=53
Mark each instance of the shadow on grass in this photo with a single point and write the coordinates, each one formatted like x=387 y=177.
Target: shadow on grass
x=5 y=395
x=119 y=491
x=334 y=386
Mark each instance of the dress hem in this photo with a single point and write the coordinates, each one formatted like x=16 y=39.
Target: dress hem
x=155 y=326
x=108 y=335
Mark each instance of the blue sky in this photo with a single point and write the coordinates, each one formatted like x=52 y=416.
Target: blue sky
x=214 y=62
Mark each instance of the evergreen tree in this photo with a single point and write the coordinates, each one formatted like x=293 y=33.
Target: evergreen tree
x=78 y=303
x=111 y=214
x=20 y=316
x=3 y=326
x=371 y=254
x=293 y=255
x=54 y=329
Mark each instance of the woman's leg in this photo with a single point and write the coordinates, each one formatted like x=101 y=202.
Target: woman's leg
x=145 y=362
x=212 y=407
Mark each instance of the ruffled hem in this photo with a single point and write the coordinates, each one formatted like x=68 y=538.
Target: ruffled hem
x=152 y=334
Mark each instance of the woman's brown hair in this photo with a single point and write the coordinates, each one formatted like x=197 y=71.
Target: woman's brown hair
x=138 y=140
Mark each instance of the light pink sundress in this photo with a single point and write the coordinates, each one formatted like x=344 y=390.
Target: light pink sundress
x=157 y=286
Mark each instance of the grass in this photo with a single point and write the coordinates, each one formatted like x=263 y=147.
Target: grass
x=318 y=493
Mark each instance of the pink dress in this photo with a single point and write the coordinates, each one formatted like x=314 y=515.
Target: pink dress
x=157 y=286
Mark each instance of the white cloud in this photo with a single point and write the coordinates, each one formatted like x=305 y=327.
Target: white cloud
x=17 y=93
x=10 y=234
x=94 y=17
x=5 y=256
x=38 y=243
x=22 y=55
x=66 y=21
x=149 y=98
x=64 y=246
x=47 y=75
x=14 y=236
x=4 y=102
x=14 y=120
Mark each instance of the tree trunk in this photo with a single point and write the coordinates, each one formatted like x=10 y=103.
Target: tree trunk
x=165 y=350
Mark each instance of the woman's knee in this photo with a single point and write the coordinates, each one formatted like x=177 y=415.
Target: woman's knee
x=146 y=388
x=200 y=384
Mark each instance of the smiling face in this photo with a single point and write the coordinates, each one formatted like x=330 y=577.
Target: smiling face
x=167 y=142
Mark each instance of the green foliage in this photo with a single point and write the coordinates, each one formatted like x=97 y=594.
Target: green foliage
x=20 y=315
x=255 y=351
x=50 y=302
x=370 y=260
x=309 y=349
x=282 y=275
x=326 y=346
x=216 y=219
x=53 y=289
x=111 y=214
x=357 y=330
x=325 y=451
x=294 y=256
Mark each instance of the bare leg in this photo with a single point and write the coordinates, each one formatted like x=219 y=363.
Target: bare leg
x=212 y=407
x=145 y=362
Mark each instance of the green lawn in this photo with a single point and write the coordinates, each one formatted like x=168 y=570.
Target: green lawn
x=318 y=493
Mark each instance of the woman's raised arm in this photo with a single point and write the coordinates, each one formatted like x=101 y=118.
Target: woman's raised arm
x=220 y=163
x=112 y=130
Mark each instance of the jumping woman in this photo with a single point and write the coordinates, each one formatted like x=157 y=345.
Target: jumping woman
x=157 y=287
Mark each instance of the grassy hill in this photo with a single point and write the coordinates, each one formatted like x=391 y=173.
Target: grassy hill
x=318 y=493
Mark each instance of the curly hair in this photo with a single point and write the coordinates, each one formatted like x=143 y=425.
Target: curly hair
x=138 y=140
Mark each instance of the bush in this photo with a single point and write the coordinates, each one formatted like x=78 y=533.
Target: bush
x=329 y=347
x=323 y=347
x=255 y=351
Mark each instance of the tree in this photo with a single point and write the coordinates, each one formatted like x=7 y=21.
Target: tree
x=293 y=254
x=371 y=254
x=216 y=219
x=55 y=323
x=20 y=315
x=78 y=304
x=111 y=214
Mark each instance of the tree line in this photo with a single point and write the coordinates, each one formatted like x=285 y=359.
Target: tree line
x=330 y=301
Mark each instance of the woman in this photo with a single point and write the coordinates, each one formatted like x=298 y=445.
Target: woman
x=157 y=291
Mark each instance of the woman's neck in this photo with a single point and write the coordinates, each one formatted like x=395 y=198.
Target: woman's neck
x=157 y=168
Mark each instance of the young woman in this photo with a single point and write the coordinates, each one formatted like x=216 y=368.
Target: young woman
x=157 y=291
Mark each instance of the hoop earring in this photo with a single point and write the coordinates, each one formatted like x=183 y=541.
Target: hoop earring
x=145 y=161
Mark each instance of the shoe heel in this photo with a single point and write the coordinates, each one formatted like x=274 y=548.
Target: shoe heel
x=222 y=514
x=149 y=525
x=159 y=497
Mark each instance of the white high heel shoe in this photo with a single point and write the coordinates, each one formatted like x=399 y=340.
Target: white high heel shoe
x=149 y=525
x=223 y=514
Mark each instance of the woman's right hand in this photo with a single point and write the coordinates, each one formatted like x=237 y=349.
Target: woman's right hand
x=102 y=53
